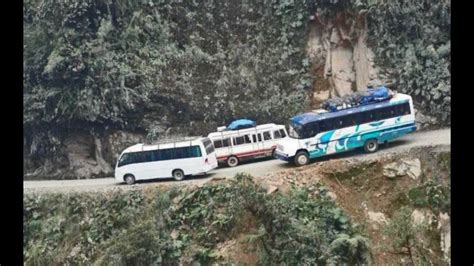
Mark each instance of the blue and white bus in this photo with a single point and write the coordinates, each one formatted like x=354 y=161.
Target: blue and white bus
x=317 y=134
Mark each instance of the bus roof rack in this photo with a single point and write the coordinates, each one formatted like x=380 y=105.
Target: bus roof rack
x=359 y=98
x=173 y=139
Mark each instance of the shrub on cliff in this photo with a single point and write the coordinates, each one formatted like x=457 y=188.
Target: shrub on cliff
x=167 y=226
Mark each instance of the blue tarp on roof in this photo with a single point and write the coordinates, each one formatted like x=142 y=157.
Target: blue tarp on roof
x=241 y=123
x=375 y=95
x=368 y=96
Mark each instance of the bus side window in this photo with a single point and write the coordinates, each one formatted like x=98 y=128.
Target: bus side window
x=125 y=159
x=181 y=153
x=396 y=110
x=238 y=140
x=247 y=139
x=282 y=132
x=276 y=134
x=139 y=157
x=226 y=142
x=406 y=109
x=351 y=120
x=372 y=115
x=156 y=155
x=266 y=135
x=387 y=112
x=362 y=117
x=322 y=126
x=167 y=154
x=218 y=143
x=310 y=130
x=254 y=138
x=335 y=123
x=148 y=156
x=196 y=151
x=330 y=124
x=259 y=137
x=393 y=112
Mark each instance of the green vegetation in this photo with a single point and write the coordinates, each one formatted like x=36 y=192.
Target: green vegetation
x=164 y=226
x=404 y=236
x=431 y=195
x=413 y=40
x=106 y=63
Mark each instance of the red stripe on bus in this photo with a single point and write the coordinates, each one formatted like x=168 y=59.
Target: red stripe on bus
x=245 y=154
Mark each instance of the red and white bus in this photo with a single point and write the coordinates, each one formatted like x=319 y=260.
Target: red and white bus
x=233 y=146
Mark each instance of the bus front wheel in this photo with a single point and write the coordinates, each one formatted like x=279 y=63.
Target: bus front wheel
x=371 y=145
x=129 y=179
x=232 y=161
x=301 y=158
x=178 y=174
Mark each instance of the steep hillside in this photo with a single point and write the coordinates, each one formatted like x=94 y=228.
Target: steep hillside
x=401 y=202
x=235 y=221
x=101 y=75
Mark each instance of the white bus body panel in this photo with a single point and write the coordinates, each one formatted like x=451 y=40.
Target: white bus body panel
x=165 y=168
x=248 y=150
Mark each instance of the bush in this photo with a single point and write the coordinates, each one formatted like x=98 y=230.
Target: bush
x=181 y=226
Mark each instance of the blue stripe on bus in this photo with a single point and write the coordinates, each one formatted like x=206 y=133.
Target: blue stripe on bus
x=358 y=140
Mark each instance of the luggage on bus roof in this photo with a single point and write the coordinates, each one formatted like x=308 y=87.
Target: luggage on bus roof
x=241 y=123
x=378 y=94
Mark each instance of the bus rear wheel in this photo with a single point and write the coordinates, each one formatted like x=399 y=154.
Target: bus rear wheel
x=371 y=145
x=178 y=174
x=301 y=158
x=232 y=161
x=129 y=179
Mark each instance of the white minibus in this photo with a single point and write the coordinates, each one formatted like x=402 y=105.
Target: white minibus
x=175 y=159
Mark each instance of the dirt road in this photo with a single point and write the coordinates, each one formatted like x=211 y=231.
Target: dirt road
x=256 y=168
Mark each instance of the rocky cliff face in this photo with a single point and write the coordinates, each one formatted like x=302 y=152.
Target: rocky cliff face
x=117 y=73
x=342 y=61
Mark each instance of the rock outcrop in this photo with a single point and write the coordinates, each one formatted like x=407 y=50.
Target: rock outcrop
x=404 y=167
x=339 y=46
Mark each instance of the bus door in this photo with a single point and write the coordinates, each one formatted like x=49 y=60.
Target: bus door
x=267 y=139
x=257 y=141
x=226 y=144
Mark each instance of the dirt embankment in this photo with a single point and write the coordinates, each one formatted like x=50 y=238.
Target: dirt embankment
x=372 y=191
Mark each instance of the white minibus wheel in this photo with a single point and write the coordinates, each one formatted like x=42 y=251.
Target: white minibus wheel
x=129 y=179
x=178 y=174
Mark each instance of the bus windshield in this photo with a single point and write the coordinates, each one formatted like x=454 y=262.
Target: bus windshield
x=208 y=145
x=294 y=130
